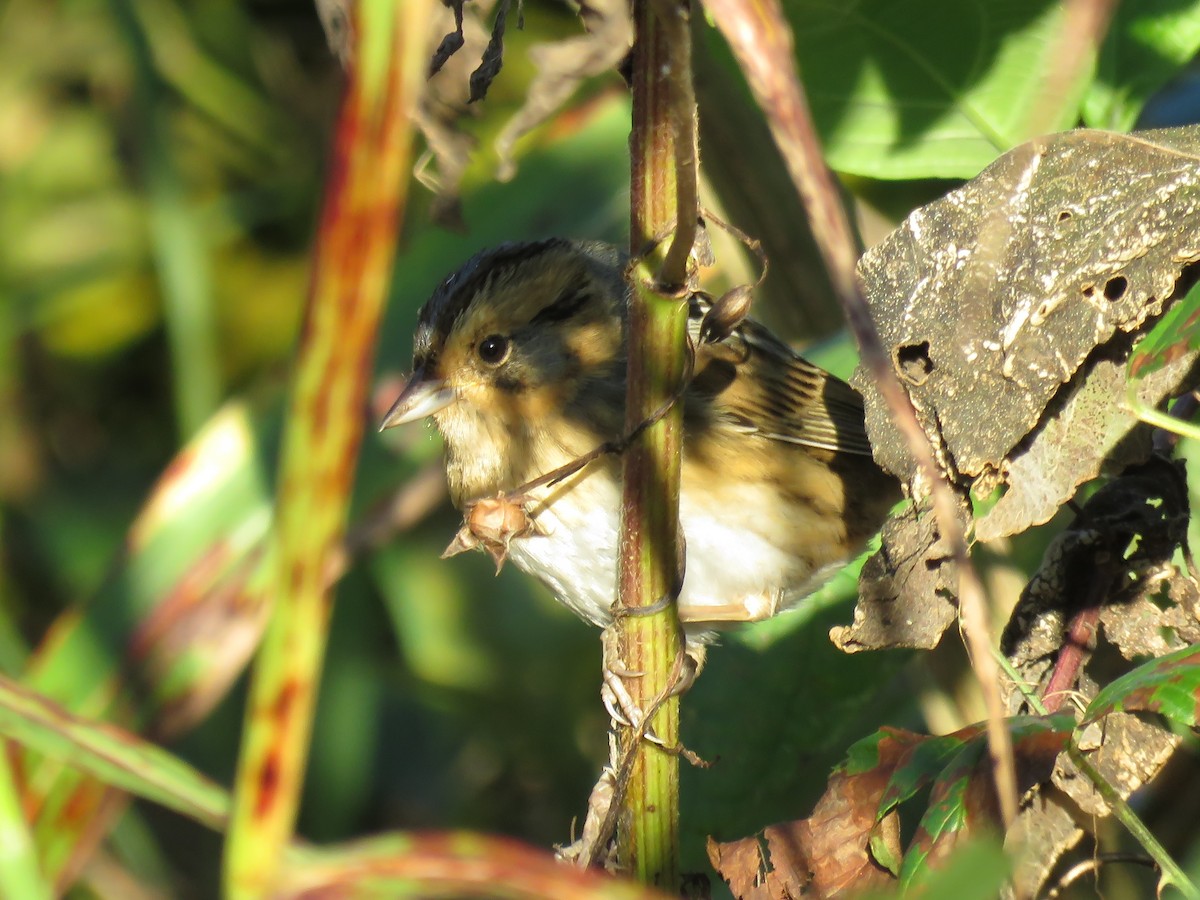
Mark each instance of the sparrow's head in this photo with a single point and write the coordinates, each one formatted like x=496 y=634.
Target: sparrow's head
x=522 y=345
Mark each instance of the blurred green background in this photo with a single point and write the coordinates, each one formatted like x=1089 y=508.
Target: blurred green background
x=161 y=172
x=161 y=166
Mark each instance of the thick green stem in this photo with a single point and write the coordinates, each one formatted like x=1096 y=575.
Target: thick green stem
x=663 y=201
x=364 y=197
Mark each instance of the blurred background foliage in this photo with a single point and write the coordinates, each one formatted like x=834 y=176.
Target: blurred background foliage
x=161 y=164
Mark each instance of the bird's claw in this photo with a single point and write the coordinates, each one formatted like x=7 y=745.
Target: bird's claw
x=620 y=704
x=617 y=700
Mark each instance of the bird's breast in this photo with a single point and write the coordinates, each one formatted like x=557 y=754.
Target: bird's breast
x=574 y=552
x=740 y=548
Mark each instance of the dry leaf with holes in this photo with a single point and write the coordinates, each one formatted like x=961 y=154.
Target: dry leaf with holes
x=1009 y=308
x=991 y=299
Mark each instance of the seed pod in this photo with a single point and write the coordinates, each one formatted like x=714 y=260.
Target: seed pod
x=491 y=523
x=726 y=314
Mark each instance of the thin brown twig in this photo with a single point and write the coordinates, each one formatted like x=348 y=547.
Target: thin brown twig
x=1094 y=864
x=761 y=39
x=673 y=16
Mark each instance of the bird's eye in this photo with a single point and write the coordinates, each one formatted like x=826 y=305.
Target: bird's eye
x=493 y=349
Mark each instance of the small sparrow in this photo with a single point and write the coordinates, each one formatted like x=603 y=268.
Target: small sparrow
x=519 y=357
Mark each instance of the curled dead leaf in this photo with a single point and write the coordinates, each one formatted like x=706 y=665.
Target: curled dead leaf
x=908 y=589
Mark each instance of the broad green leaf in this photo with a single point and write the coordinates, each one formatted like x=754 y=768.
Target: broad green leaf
x=778 y=718
x=178 y=612
x=977 y=871
x=1174 y=338
x=963 y=793
x=946 y=814
x=883 y=748
x=20 y=870
x=110 y=754
x=1169 y=685
x=206 y=515
x=933 y=88
x=1148 y=42
x=924 y=763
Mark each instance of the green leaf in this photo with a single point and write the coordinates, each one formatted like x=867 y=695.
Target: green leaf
x=934 y=88
x=883 y=748
x=923 y=764
x=808 y=703
x=1169 y=685
x=1148 y=42
x=111 y=754
x=976 y=871
x=175 y=616
x=962 y=794
x=1174 y=335
x=20 y=873
x=947 y=811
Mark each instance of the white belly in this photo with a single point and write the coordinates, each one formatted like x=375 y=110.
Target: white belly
x=728 y=561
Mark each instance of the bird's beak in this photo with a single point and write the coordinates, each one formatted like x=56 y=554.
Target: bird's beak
x=422 y=396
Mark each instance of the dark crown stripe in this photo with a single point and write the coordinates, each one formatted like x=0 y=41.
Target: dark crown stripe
x=566 y=305
x=454 y=295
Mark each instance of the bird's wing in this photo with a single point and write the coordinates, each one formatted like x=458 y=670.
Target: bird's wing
x=757 y=384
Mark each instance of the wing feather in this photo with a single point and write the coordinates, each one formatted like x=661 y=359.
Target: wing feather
x=757 y=384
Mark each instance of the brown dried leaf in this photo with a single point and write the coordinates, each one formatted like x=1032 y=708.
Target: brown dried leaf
x=740 y=863
x=908 y=589
x=1093 y=432
x=562 y=66
x=493 y=54
x=1147 y=504
x=821 y=856
x=1143 y=627
x=1046 y=828
x=443 y=105
x=452 y=42
x=991 y=298
x=1133 y=751
x=1119 y=552
x=844 y=846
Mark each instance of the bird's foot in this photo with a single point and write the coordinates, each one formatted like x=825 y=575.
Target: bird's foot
x=619 y=702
